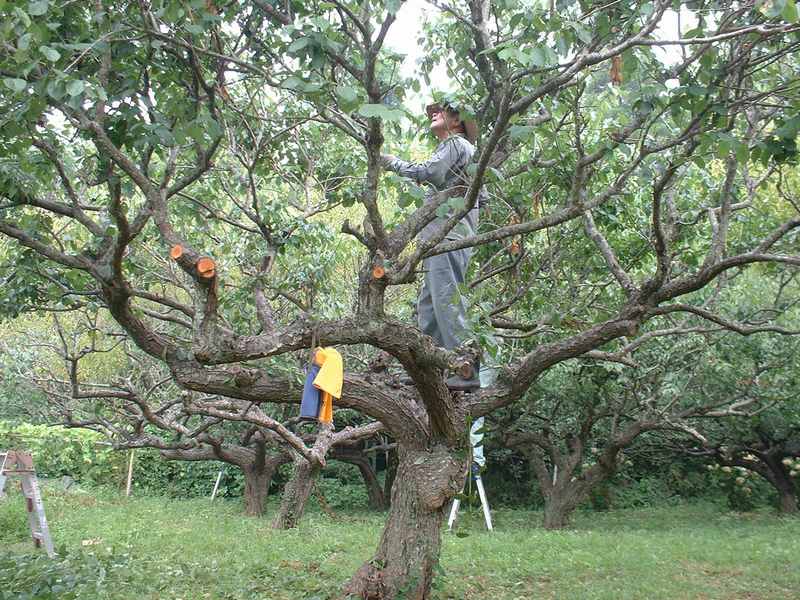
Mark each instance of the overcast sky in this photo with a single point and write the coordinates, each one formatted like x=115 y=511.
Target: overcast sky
x=403 y=36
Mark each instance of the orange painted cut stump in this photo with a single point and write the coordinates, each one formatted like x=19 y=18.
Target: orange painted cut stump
x=378 y=272
x=206 y=267
x=176 y=252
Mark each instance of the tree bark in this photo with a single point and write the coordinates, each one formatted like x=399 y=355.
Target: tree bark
x=788 y=503
x=375 y=495
x=296 y=494
x=783 y=484
x=408 y=551
x=391 y=472
x=256 y=485
x=257 y=479
x=559 y=506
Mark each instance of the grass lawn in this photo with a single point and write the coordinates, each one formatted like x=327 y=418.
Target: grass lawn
x=156 y=548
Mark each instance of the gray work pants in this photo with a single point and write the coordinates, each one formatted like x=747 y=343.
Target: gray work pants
x=441 y=311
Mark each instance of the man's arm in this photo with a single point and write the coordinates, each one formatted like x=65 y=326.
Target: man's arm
x=434 y=170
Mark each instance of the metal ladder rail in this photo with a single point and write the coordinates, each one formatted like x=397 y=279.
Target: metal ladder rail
x=3 y=456
x=37 y=521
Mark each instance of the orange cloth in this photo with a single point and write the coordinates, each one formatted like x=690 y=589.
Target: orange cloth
x=329 y=380
x=326 y=408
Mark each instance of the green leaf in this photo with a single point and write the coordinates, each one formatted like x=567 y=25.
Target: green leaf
x=75 y=88
x=24 y=42
x=15 y=84
x=292 y=83
x=521 y=131
x=38 y=7
x=298 y=44
x=790 y=11
x=582 y=32
x=50 y=54
x=742 y=152
x=537 y=57
x=380 y=111
x=348 y=97
x=774 y=7
x=789 y=129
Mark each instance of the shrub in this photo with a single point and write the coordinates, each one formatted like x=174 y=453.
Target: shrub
x=58 y=451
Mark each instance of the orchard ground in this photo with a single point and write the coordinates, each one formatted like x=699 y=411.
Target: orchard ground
x=158 y=548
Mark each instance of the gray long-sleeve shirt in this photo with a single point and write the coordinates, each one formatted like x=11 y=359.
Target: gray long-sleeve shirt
x=445 y=169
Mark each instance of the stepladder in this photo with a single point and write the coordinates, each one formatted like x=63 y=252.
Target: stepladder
x=475 y=474
x=19 y=465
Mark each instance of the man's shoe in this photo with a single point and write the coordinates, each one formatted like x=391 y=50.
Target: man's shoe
x=456 y=383
x=466 y=379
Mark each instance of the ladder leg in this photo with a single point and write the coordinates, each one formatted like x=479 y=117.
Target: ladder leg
x=453 y=514
x=484 y=503
x=3 y=478
x=36 y=517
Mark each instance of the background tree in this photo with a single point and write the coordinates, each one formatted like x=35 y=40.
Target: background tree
x=588 y=414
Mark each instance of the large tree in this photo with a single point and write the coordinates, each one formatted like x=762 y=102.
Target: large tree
x=621 y=177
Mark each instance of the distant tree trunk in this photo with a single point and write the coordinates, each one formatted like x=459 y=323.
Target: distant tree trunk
x=357 y=457
x=559 y=506
x=256 y=484
x=258 y=468
x=409 y=547
x=375 y=495
x=788 y=503
x=296 y=494
x=391 y=472
x=778 y=476
x=563 y=491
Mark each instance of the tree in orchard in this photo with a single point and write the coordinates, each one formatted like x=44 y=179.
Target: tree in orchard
x=582 y=417
x=762 y=371
x=94 y=378
x=228 y=135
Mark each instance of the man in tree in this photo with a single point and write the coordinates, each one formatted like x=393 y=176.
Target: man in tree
x=441 y=311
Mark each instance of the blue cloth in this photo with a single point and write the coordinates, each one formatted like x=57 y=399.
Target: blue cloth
x=309 y=405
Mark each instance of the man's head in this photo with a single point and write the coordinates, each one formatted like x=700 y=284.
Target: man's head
x=446 y=121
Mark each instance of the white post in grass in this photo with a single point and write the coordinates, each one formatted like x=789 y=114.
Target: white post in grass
x=130 y=476
x=216 y=485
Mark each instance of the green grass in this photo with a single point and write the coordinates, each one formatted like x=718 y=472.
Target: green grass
x=154 y=548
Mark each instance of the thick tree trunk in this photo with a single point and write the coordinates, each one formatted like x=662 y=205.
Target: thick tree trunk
x=788 y=503
x=256 y=485
x=787 y=498
x=409 y=547
x=558 y=508
x=778 y=477
x=296 y=494
x=257 y=479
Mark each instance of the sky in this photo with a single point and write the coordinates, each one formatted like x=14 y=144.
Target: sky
x=403 y=36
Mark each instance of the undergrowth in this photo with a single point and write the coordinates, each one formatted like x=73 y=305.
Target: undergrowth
x=112 y=548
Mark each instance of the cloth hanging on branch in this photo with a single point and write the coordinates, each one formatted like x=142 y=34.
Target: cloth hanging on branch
x=323 y=383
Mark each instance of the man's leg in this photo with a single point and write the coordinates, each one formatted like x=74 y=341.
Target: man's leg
x=445 y=318
x=426 y=319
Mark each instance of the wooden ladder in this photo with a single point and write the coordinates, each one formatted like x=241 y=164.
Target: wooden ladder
x=20 y=464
